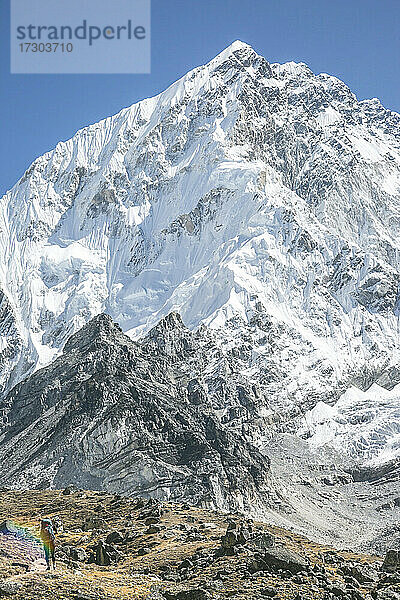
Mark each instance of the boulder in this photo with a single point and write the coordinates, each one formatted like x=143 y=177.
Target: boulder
x=155 y=595
x=137 y=503
x=115 y=537
x=70 y=489
x=261 y=542
x=8 y=527
x=58 y=525
x=387 y=594
x=78 y=554
x=153 y=529
x=152 y=512
x=361 y=573
x=102 y=556
x=391 y=564
x=152 y=520
x=93 y=522
x=191 y=594
x=279 y=558
x=186 y=564
x=338 y=590
x=234 y=536
x=9 y=588
x=268 y=592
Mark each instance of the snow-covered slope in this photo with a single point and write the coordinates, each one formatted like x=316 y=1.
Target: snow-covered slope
x=363 y=425
x=259 y=199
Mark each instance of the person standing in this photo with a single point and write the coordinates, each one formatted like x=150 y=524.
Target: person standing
x=48 y=537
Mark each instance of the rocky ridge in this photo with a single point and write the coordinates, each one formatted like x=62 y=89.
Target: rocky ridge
x=114 y=412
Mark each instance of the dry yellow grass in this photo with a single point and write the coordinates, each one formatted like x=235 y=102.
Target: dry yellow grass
x=135 y=576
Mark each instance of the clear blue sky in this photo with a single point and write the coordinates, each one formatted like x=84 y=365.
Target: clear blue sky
x=355 y=40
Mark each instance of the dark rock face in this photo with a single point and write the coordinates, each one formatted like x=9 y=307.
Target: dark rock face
x=391 y=564
x=13 y=359
x=117 y=414
x=173 y=417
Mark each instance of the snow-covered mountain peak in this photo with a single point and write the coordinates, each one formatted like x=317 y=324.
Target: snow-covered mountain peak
x=236 y=51
x=243 y=227
x=237 y=45
x=261 y=200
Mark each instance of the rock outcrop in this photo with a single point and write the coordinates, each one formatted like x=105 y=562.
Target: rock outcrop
x=117 y=413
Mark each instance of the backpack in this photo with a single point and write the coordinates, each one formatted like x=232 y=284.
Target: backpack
x=47 y=526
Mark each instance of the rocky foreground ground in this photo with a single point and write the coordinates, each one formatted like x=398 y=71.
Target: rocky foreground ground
x=111 y=547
